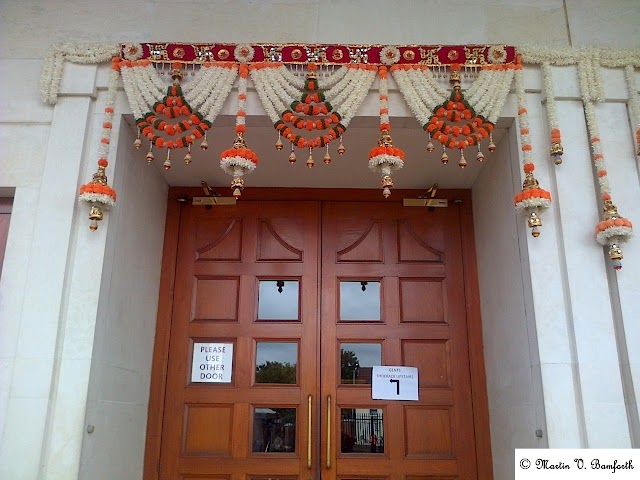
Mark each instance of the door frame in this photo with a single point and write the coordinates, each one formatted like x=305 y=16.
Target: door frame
x=457 y=198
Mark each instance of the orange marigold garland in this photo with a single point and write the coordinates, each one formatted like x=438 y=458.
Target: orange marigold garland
x=385 y=158
x=532 y=200
x=312 y=103
x=97 y=193
x=455 y=124
x=159 y=127
x=239 y=160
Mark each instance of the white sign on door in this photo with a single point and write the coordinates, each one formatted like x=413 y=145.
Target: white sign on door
x=212 y=362
x=394 y=383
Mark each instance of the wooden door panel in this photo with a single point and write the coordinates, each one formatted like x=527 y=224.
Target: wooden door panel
x=223 y=255
x=416 y=256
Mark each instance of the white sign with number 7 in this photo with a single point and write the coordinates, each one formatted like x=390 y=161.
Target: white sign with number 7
x=394 y=383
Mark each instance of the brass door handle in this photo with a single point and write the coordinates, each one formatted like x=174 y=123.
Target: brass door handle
x=309 y=414
x=328 y=431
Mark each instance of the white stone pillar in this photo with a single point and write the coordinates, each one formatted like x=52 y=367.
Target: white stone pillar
x=588 y=300
x=548 y=286
x=41 y=324
x=619 y=151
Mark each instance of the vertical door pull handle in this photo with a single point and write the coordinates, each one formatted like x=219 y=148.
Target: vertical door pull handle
x=328 y=431
x=309 y=414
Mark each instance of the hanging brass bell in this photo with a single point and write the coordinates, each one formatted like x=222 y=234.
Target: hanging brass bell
x=463 y=161
x=95 y=215
x=534 y=222
x=615 y=254
x=279 y=145
x=445 y=158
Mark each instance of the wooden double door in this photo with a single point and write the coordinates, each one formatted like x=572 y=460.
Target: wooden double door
x=303 y=299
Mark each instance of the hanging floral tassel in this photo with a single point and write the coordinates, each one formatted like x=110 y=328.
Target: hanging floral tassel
x=556 y=149
x=385 y=158
x=532 y=200
x=613 y=229
x=239 y=160
x=97 y=193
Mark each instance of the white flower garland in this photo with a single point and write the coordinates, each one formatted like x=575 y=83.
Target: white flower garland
x=620 y=233
x=424 y=84
x=263 y=95
x=571 y=56
x=296 y=81
x=197 y=90
x=634 y=102
x=479 y=86
x=523 y=118
x=212 y=106
x=270 y=100
x=237 y=166
x=552 y=113
x=394 y=163
x=423 y=95
x=340 y=91
x=420 y=92
x=330 y=80
x=91 y=197
x=136 y=102
x=420 y=105
x=594 y=138
x=494 y=108
x=274 y=76
x=107 y=126
x=357 y=93
x=276 y=92
x=72 y=52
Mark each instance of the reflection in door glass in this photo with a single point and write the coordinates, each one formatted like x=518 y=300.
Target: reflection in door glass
x=278 y=300
x=360 y=300
x=276 y=362
x=357 y=360
x=274 y=430
x=361 y=430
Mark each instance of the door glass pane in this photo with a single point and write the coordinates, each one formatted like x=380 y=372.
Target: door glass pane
x=274 y=430
x=277 y=362
x=361 y=430
x=357 y=360
x=278 y=300
x=360 y=300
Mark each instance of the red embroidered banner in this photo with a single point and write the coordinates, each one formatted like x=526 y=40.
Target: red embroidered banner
x=430 y=55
